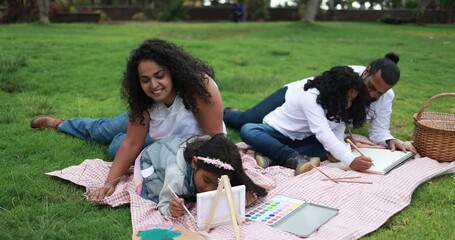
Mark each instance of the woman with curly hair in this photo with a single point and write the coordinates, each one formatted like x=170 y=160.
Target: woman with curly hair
x=168 y=92
x=312 y=121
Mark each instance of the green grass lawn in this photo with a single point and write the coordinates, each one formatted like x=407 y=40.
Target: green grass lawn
x=75 y=71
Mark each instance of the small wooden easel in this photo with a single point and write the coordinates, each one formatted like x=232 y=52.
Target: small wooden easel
x=235 y=218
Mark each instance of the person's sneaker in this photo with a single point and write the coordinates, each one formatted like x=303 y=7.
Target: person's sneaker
x=262 y=161
x=315 y=161
x=302 y=163
x=305 y=167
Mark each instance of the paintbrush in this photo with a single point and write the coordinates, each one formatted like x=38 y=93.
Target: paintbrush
x=347 y=181
x=315 y=167
x=341 y=178
x=356 y=148
x=186 y=209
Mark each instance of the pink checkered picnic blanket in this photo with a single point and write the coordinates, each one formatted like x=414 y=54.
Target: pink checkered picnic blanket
x=363 y=207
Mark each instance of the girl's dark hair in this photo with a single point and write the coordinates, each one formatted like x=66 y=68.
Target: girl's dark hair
x=333 y=86
x=388 y=66
x=187 y=72
x=218 y=146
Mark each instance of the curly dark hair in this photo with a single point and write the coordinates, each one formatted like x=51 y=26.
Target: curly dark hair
x=218 y=146
x=333 y=86
x=187 y=72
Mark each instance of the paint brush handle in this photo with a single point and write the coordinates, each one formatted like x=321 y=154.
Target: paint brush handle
x=341 y=178
x=327 y=176
x=354 y=146
x=348 y=181
x=186 y=209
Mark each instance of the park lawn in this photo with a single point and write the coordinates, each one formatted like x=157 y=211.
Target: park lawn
x=74 y=70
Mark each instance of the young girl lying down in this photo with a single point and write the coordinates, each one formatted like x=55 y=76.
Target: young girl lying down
x=189 y=165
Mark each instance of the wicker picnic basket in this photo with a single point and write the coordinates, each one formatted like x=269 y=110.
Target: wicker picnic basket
x=434 y=132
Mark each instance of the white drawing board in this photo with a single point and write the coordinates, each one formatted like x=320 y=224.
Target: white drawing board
x=222 y=214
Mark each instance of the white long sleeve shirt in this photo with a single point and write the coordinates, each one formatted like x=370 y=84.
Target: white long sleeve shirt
x=300 y=117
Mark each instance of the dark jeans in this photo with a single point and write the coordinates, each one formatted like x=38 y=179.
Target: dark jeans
x=236 y=119
x=265 y=139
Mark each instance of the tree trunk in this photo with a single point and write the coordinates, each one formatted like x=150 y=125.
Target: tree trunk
x=331 y=5
x=423 y=5
x=311 y=9
x=403 y=3
x=43 y=11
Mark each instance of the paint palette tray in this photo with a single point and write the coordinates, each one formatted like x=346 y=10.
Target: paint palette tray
x=274 y=210
x=292 y=215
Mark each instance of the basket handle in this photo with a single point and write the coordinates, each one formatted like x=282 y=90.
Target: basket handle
x=430 y=100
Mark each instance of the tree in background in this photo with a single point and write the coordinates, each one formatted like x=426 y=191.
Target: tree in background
x=19 y=10
x=43 y=6
x=9 y=15
x=174 y=10
x=308 y=9
x=448 y=5
x=371 y=4
x=152 y=8
x=311 y=8
x=214 y=2
x=257 y=10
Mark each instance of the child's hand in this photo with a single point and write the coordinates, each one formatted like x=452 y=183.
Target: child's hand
x=176 y=207
x=102 y=192
x=251 y=197
x=361 y=163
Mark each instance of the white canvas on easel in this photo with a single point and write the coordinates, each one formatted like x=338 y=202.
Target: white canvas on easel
x=222 y=215
x=223 y=206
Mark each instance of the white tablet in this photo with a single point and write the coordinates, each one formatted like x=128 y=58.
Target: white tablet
x=222 y=214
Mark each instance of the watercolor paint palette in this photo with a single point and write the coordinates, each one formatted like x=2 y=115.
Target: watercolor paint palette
x=292 y=215
x=274 y=210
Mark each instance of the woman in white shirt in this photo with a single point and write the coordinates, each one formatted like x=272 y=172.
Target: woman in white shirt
x=312 y=121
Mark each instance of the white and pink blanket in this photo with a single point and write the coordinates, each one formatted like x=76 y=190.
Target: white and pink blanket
x=363 y=207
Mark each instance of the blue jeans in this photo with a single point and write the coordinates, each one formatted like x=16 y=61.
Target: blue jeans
x=110 y=131
x=236 y=119
x=271 y=143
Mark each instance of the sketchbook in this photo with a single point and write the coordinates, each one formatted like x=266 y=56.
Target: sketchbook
x=384 y=160
x=292 y=215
